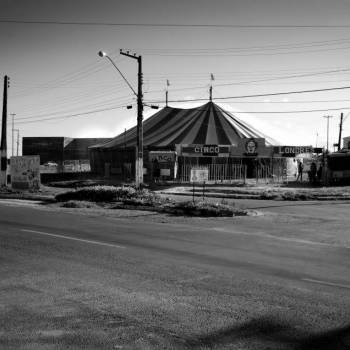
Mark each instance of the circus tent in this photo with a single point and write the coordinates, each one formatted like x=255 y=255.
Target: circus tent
x=206 y=124
x=186 y=133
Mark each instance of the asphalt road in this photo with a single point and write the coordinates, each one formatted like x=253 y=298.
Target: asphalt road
x=275 y=281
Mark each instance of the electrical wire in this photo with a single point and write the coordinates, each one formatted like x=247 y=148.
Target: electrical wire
x=261 y=95
x=287 y=77
x=294 y=111
x=70 y=115
x=233 y=54
x=245 y=48
x=177 y=25
x=84 y=98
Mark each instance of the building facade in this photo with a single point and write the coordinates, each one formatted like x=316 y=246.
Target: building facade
x=60 y=154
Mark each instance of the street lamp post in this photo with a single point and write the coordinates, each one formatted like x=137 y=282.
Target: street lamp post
x=328 y=117
x=17 y=143
x=139 y=136
x=139 y=139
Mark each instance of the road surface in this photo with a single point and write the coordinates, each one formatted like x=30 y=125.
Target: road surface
x=94 y=281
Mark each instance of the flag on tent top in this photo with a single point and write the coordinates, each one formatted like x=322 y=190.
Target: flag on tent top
x=212 y=77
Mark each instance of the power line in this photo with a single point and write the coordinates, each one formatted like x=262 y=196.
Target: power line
x=261 y=95
x=288 y=77
x=224 y=75
x=296 y=111
x=67 y=78
x=77 y=100
x=265 y=80
x=175 y=25
x=70 y=115
x=122 y=106
x=243 y=48
x=105 y=104
x=296 y=101
x=254 y=53
x=198 y=109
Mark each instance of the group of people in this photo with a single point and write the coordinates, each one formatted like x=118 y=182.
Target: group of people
x=314 y=174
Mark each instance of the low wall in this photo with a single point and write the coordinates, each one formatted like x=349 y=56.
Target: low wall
x=45 y=178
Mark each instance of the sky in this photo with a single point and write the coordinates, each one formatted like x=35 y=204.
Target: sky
x=59 y=86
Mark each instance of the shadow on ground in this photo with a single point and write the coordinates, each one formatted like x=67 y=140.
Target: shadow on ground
x=276 y=335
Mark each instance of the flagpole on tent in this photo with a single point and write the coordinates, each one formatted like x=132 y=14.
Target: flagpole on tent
x=166 y=93
x=211 y=87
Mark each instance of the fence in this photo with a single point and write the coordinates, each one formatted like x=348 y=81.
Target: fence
x=271 y=173
x=217 y=172
x=274 y=171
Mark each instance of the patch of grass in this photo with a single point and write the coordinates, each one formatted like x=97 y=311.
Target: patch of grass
x=297 y=196
x=129 y=196
x=206 y=209
x=268 y=195
x=78 y=204
x=125 y=194
x=72 y=183
x=97 y=194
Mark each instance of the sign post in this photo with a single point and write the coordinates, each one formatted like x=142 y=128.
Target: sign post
x=199 y=175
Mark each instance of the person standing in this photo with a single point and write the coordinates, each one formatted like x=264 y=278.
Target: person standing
x=300 y=170
x=156 y=170
x=313 y=173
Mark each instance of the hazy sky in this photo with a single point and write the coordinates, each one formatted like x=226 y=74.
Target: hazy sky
x=60 y=87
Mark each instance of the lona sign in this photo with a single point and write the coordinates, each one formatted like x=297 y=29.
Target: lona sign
x=292 y=150
x=209 y=150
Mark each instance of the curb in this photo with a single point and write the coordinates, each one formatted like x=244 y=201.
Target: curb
x=48 y=199
x=214 y=195
x=258 y=196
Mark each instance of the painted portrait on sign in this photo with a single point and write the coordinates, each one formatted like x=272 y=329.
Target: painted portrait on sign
x=251 y=147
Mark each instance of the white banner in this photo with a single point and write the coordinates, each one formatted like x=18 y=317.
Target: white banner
x=25 y=172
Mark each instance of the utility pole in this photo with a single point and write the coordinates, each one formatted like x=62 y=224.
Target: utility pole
x=17 y=140
x=3 y=147
x=325 y=167
x=13 y=134
x=340 y=131
x=139 y=138
x=328 y=117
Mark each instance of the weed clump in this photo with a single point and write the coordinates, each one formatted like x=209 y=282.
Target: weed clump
x=79 y=204
x=109 y=194
x=206 y=209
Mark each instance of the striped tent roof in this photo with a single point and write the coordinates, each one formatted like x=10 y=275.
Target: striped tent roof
x=206 y=124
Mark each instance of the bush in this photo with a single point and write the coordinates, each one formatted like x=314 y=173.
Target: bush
x=130 y=196
x=92 y=194
x=268 y=195
x=111 y=194
x=292 y=196
x=204 y=209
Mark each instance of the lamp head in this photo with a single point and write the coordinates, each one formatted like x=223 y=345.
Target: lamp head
x=102 y=54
